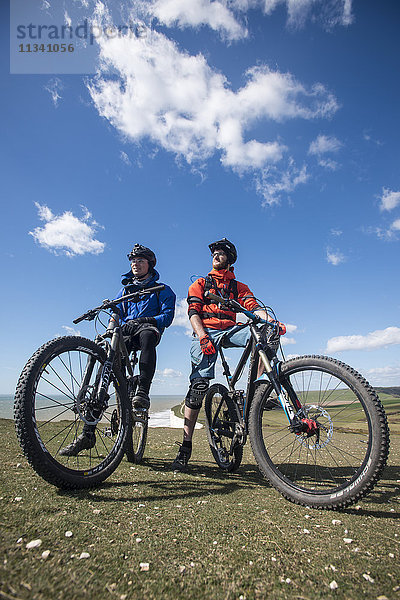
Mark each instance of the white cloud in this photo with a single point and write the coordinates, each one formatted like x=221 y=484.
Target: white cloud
x=67 y=234
x=389 y=199
x=71 y=330
x=327 y=163
x=181 y=318
x=273 y=182
x=390 y=234
x=376 y=339
x=54 y=87
x=336 y=232
x=125 y=158
x=67 y=19
x=329 y=12
x=335 y=257
x=285 y=340
x=395 y=226
x=323 y=144
x=169 y=373
x=227 y=17
x=196 y=13
x=384 y=376
x=150 y=89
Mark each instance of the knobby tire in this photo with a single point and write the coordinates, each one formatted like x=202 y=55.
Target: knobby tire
x=347 y=461
x=46 y=417
x=221 y=419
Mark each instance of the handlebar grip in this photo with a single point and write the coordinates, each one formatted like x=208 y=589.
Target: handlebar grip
x=90 y=315
x=79 y=319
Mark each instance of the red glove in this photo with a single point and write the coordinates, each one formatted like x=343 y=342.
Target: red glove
x=282 y=328
x=206 y=345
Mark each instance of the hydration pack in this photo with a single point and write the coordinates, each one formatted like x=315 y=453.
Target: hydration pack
x=210 y=283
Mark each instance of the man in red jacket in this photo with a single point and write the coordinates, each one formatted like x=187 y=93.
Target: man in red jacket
x=210 y=322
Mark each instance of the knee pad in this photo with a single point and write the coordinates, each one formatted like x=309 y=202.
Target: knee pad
x=196 y=392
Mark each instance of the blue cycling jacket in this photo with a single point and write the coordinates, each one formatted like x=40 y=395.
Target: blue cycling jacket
x=161 y=306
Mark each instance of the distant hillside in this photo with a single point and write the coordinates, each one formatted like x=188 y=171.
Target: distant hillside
x=393 y=391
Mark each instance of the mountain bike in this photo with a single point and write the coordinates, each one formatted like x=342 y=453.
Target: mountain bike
x=72 y=383
x=317 y=429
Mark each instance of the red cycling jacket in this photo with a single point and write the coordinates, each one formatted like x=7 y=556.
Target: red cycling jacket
x=214 y=316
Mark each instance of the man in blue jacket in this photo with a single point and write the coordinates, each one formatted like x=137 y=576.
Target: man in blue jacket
x=143 y=323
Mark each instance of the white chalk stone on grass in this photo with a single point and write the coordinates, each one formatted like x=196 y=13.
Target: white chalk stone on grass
x=34 y=544
x=333 y=585
x=84 y=555
x=68 y=534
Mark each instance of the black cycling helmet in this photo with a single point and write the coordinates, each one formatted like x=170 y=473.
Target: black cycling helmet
x=139 y=250
x=227 y=247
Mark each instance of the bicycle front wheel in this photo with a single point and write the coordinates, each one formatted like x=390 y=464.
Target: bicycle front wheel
x=221 y=421
x=52 y=405
x=342 y=460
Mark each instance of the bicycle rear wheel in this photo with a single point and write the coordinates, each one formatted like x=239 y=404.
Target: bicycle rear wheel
x=51 y=407
x=137 y=436
x=343 y=462
x=221 y=421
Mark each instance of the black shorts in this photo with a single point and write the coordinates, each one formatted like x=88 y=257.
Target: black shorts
x=133 y=341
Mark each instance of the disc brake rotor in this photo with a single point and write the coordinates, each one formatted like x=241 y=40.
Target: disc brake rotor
x=83 y=406
x=325 y=426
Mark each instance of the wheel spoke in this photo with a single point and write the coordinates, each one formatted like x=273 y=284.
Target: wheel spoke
x=55 y=401
x=319 y=465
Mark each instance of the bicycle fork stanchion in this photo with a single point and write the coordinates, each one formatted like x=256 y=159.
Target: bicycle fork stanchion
x=297 y=423
x=102 y=389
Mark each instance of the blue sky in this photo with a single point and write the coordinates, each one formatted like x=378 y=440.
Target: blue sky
x=274 y=123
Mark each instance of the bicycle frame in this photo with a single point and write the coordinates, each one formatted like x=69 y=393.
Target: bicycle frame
x=255 y=347
x=116 y=344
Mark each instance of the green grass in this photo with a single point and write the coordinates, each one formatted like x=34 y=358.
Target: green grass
x=205 y=534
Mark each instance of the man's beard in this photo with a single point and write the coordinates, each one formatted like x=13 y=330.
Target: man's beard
x=221 y=266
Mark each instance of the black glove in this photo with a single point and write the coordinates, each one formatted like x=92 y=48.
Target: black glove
x=130 y=326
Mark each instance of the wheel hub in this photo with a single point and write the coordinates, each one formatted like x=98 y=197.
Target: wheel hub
x=318 y=428
x=84 y=406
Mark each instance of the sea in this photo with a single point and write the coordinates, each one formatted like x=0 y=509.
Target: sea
x=161 y=414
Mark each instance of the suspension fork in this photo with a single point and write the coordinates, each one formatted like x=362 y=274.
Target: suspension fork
x=274 y=379
x=86 y=377
x=103 y=381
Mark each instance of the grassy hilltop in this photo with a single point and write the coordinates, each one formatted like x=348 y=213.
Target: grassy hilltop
x=204 y=534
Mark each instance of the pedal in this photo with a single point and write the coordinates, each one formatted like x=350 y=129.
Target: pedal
x=140 y=415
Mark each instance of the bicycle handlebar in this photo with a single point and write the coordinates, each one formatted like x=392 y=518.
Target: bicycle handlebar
x=90 y=314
